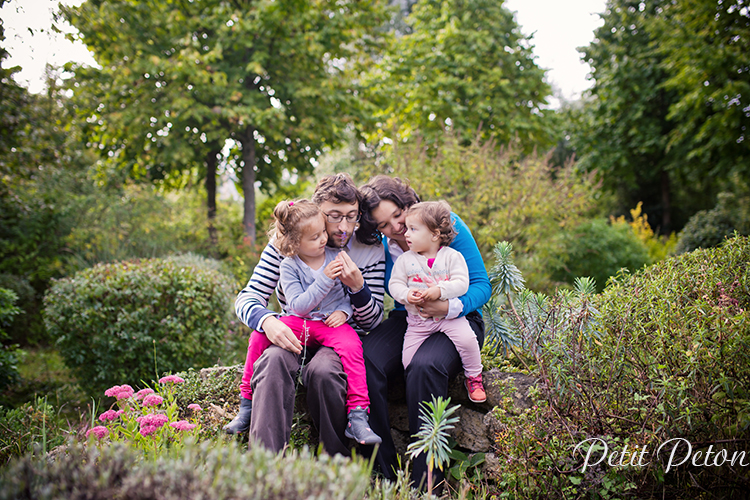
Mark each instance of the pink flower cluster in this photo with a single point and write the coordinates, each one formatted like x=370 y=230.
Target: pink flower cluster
x=149 y=423
x=119 y=392
x=174 y=379
x=182 y=425
x=195 y=407
x=153 y=400
x=110 y=415
x=99 y=431
x=143 y=393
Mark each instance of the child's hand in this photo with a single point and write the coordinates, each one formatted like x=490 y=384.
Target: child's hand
x=336 y=319
x=414 y=296
x=432 y=293
x=333 y=269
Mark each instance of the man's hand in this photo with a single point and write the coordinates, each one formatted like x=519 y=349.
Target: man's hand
x=336 y=319
x=350 y=275
x=281 y=335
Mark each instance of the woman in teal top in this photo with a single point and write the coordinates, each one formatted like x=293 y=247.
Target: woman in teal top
x=437 y=361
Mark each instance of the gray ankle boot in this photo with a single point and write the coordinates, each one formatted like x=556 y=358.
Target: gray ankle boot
x=358 y=428
x=241 y=423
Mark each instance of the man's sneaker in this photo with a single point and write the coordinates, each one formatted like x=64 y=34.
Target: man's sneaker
x=241 y=423
x=476 y=389
x=358 y=428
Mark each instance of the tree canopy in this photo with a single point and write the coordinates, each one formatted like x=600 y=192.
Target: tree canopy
x=705 y=44
x=462 y=66
x=667 y=116
x=179 y=78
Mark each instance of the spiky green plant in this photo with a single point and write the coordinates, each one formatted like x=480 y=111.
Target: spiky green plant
x=516 y=317
x=505 y=277
x=432 y=438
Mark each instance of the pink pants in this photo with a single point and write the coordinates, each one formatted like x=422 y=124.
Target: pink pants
x=343 y=340
x=458 y=330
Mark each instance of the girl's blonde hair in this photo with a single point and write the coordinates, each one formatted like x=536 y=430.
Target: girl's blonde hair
x=436 y=215
x=290 y=218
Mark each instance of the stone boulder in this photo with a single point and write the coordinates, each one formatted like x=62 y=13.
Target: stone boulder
x=474 y=430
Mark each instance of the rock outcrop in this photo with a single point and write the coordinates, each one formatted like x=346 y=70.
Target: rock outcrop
x=474 y=431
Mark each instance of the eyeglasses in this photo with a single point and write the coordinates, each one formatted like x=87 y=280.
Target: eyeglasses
x=336 y=218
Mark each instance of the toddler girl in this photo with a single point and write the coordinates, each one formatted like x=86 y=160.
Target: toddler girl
x=431 y=270
x=317 y=305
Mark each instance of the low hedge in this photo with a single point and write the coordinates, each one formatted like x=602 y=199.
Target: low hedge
x=129 y=321
x=651 y=398
x=211 y=469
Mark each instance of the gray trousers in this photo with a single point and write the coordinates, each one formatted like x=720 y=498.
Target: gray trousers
x=273 y=398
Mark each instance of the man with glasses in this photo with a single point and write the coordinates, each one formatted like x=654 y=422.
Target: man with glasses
x=273 y=381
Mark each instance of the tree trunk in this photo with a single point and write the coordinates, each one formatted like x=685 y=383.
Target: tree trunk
x=212 y=160
x=248 y=184
x=666 y=203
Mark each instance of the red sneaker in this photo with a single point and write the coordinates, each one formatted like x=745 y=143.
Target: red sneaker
x=476 y=389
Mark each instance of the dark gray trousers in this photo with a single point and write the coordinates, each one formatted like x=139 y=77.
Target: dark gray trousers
x=273 y=398
x=433 y=366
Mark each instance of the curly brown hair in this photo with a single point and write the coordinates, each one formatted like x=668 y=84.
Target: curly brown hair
x=337 y=188
x=290 y=219
x=436 y=216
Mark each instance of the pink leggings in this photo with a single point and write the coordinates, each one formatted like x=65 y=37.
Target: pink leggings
x=457 y=330
x=343 y=340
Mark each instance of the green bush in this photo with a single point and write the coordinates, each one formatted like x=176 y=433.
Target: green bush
x=597 y=249
x=26 y=328
x=709 y=228
x=8 y=358
x=661 y=354
x=500 y=193
x=211 y=469
x=122 y=323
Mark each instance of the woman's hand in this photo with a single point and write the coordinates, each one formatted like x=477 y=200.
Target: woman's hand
x=434 y=309
x=336 y=319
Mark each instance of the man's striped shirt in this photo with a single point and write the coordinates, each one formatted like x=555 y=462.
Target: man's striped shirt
x=251 y=304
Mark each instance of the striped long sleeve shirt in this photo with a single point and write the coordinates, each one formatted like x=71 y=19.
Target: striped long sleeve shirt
x=251 y=304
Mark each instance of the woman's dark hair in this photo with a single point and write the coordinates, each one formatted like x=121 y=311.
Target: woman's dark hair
x=379 y=188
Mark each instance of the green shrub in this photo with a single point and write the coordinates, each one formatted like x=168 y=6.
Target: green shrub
x=678 y=334
x=27 y=328
x=709 y=228
x=500 y=193
x=212 y=469
x=124 y=322
x=8 y=358
x=597 y=249
x=659 y=355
